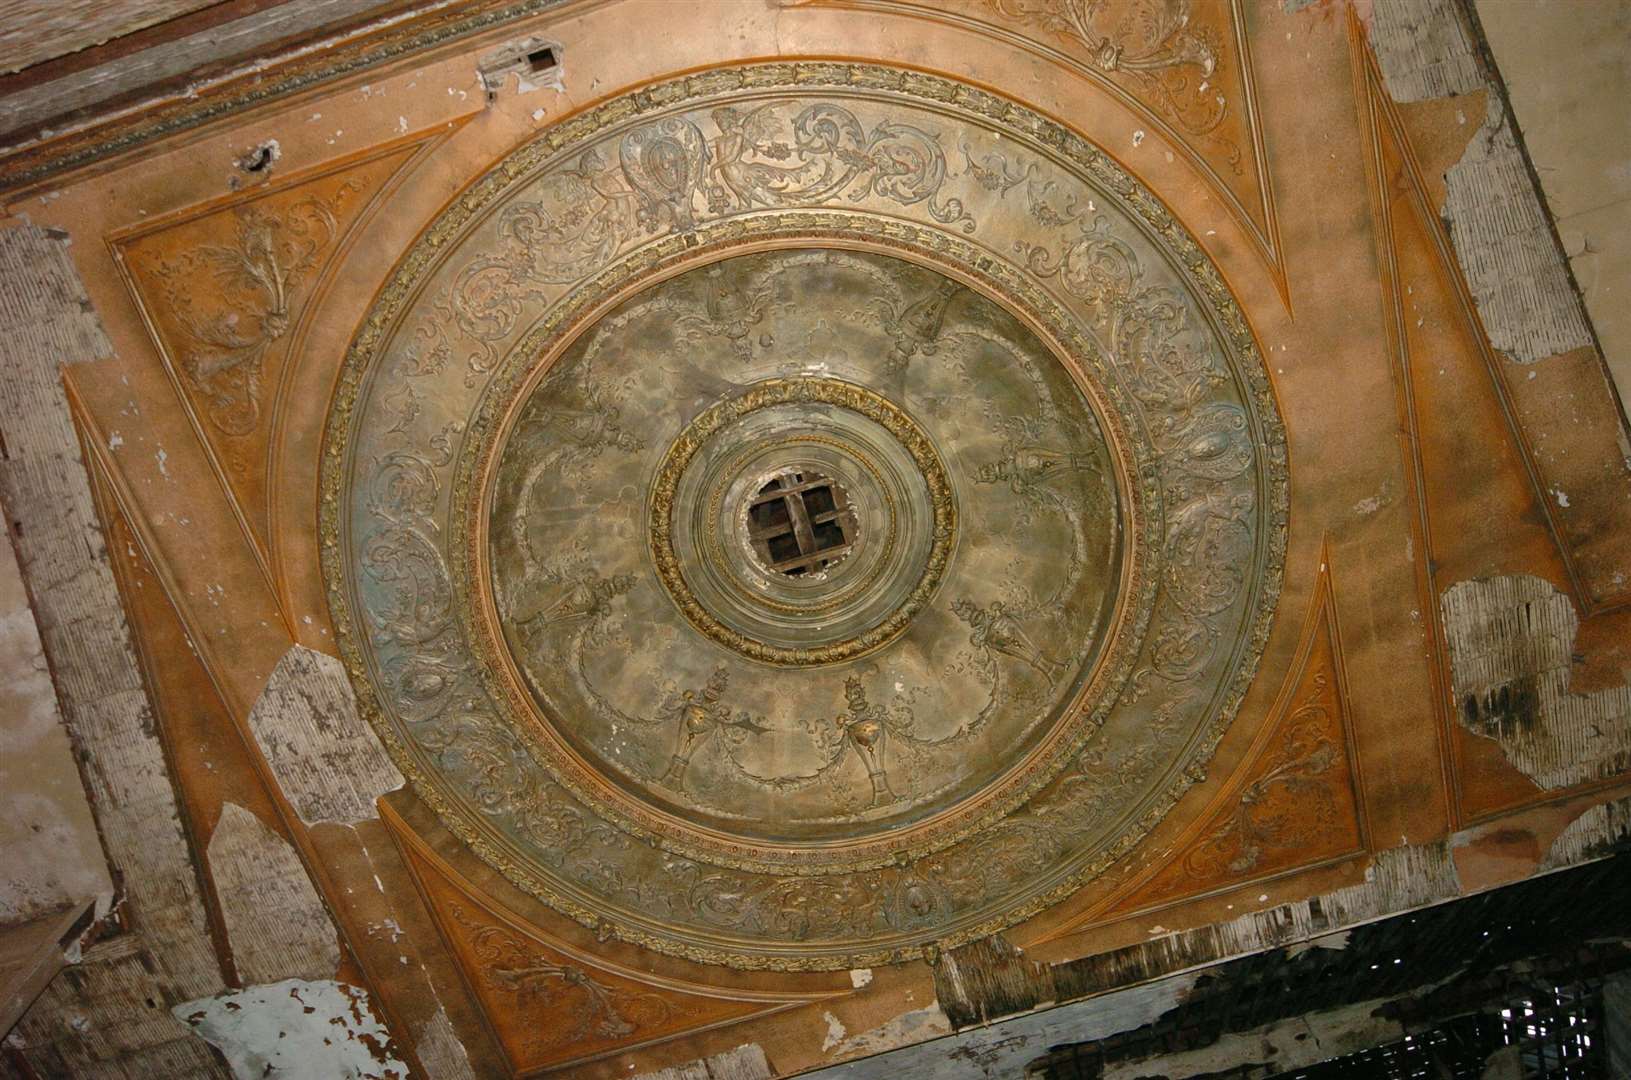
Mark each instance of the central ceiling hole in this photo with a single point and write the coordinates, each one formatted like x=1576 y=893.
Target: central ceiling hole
x=800 y=523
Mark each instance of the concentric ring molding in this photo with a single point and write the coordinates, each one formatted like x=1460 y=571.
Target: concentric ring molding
x=779 y=392
x=1121 y=293
x=676 y=834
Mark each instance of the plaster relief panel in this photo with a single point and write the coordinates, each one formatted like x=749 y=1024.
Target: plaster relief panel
x=1184 y=66
x=1296 y=801
x=595 y=1005
x=781 y=640
x=225 y=294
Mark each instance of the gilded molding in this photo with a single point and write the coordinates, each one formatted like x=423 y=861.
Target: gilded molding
x=872 y=405
x=1203 y=469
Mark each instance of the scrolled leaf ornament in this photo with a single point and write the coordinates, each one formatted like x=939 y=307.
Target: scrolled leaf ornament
x=771 y=546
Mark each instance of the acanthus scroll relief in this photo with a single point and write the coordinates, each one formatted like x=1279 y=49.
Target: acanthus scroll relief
x=1289 y=804
x=257 y=279
x=596 y=1009
x=660 y=180
x=1126 y=454
x=1156 y=46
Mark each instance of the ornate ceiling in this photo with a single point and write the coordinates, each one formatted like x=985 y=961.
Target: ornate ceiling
x=1018 y=404
x=794 y=531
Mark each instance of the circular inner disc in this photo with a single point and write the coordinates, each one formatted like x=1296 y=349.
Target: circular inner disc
x=842 y=574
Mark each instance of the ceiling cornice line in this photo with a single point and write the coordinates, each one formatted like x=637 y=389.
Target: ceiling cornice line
x=254 y=84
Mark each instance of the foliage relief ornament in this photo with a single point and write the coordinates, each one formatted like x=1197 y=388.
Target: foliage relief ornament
x=1212 y=457
x=259 y=276
x=1151 y=44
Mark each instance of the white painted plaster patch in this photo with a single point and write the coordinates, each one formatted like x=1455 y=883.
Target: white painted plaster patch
x=295 y=1029
x=835 y=1031
x=904 y=1030
x=1366 y=507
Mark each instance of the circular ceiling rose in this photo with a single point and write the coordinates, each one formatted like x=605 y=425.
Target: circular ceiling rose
x=784 y=620
x=772 y=543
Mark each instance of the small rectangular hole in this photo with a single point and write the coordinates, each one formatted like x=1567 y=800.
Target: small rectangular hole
x=828 y=535
x=767 y=515
x=542 y=59
x=783 y=547
x=819 y=500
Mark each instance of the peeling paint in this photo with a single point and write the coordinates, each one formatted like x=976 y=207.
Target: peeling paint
x=1366 y=507
x=1398 y=880
x=1423 y=49
x=1510 y=641
x=835 y=1031
x=1505 y=244
x=988 y=978
x=328 y=762
x=295 y=1029
x=1593 y=835
x=908 y=1029
x=1498 y=222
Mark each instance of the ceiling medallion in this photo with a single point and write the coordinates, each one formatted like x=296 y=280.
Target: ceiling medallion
x=772 y=548
x=903 y=520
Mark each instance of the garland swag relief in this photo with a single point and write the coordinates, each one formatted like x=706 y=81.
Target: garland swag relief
x=803 y=516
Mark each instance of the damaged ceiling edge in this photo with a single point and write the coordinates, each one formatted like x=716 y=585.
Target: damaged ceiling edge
x=1526 y=306
x=990 y=980
x=98 y=682
x=313 y=701
x=264 y=889
x=26 y=112
x=1511 y=640
x=310 y=67
x=318 y=921
x=1128 y=988
x=1426 y=51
